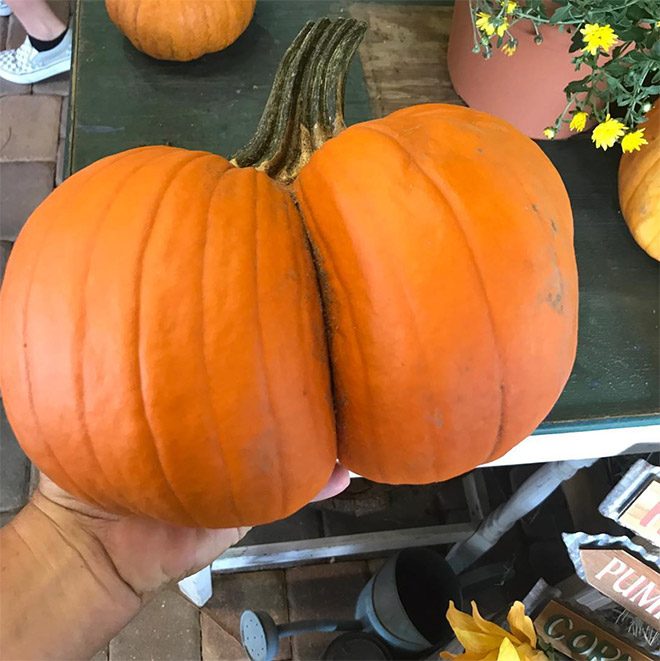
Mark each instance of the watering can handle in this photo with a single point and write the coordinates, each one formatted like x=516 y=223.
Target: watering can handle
x=317 y=626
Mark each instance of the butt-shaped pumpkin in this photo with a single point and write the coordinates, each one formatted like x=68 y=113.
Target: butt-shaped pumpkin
x=163 y=350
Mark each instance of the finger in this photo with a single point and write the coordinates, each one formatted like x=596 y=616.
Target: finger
x=338 y=481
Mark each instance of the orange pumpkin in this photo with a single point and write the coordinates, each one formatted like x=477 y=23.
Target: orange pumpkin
x=445 y=238
x=162 y=342
x=639 y=187
x=162 y=346
x=181 y=29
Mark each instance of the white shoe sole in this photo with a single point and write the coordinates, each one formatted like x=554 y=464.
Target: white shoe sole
x=5 y=11
x=37 y=76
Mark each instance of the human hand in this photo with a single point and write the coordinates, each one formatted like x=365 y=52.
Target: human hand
x=146 y=553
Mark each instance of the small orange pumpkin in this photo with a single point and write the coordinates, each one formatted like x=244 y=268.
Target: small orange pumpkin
x=161 y=335
x=639 y=187
x=181 y=29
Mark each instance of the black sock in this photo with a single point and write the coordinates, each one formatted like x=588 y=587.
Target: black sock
x=42 y=46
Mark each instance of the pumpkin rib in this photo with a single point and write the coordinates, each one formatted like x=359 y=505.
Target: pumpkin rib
x=283 y=492
x=480 y=278
x=205 y=363
x=46 y=235
x=308 y=211
x=80 y=333
x=139 y=45
x=521 y=183
x=139 y=361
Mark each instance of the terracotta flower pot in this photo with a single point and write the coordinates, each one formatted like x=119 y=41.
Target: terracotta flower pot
x=526 y=89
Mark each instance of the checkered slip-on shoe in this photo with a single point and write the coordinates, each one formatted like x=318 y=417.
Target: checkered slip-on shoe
x=5 y=9
x=26 y=64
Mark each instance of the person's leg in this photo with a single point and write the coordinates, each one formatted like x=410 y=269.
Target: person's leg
x=46 y=50
x=37 y=18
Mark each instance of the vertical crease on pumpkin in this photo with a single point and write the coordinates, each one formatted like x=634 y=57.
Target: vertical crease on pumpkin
x=140 y=281
x=36 y=259
x=205 y=363
x=480 y=278
x=282 y=491
x=80 y=333
x=521 y=183
x=306 y=212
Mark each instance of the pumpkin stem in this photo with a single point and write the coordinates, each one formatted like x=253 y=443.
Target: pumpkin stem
x=306 y=103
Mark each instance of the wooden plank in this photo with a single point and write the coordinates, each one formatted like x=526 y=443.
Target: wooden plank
x=626 y=580
x=291 y=554
x=404 y=54
x=580 y=639
x=643 y=514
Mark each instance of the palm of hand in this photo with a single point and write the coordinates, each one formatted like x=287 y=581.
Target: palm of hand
x=146 y=553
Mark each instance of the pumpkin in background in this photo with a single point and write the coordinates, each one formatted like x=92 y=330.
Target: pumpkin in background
x=162 y=342
x=181 y=29
x=639 y=187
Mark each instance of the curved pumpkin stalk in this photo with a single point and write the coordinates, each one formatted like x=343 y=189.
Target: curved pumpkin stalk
x=306 y=103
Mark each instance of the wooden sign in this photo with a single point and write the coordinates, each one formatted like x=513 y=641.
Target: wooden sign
x=580 y=639
x=626 y=580
x=643 y=514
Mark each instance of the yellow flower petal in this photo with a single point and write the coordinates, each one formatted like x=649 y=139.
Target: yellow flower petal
x=509 y=49
x=484 y=23
x=472 y=636
x=597 y=36
x=528 y=653
x=490 y=628
x=502 y=28
x=521 y=626
x=507 y=652
x=579 y=121
x=550 y=132
x=509 y=6
x=607 y=133
x=633 y=140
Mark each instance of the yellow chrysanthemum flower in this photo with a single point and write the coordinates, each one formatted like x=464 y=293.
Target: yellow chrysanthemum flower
x=607 y=133
x=633 y=141
x=509 y=49
x=578 y=122
x=597 y=36
x=485 y=640
x=489 y=26
x=550 y=132
x=485 y=24
x=509 y=6
x=502 y=28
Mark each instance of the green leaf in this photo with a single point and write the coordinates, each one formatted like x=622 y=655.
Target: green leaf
x=561 y=14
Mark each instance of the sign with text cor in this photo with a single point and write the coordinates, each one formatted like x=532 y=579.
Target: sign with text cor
x=581 y=640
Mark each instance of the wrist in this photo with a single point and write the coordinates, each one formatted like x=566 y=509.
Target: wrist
x=60 y=579
x=74 y=535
